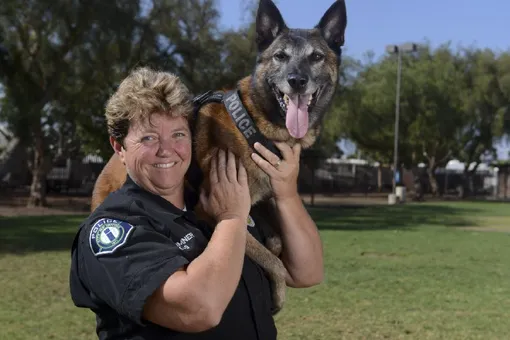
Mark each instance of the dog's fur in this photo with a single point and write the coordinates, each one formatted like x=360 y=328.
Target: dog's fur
x=310 y=56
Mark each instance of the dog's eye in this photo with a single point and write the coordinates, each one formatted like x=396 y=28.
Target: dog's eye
x=281 y=56
x=315 y=57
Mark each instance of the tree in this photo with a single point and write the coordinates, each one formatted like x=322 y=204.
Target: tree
x=60 y=61
x=484 y=106
x=368 y=111
x=436 y=100
x=451 y=104
x=40 y=41
x=503 y=74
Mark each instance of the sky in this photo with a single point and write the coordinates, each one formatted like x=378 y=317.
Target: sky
x=373 y=24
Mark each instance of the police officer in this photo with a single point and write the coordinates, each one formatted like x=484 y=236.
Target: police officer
x=143 y=263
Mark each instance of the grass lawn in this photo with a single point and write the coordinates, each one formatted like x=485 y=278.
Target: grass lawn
x=417 y=271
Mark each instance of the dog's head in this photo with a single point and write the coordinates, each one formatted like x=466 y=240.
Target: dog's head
x=297 y=69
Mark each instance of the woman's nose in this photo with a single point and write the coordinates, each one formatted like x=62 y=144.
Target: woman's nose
x=166 y=148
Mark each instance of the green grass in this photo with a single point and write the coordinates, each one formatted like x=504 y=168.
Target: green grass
x=34 y=271
x=416 y=271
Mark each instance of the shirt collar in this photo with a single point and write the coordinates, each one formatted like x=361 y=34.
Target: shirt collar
x=131 y=187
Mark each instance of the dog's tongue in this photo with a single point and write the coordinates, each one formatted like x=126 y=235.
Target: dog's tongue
x=297 y=115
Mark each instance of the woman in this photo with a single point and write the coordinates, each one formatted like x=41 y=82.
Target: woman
x=143 y=263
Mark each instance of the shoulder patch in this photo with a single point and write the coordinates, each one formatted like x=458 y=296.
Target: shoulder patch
x=107 y=235
x=251 y=222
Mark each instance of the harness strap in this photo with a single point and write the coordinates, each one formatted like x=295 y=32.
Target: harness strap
x=207 y=97
x=245 y=124
x=239 y=115
x=201 y=100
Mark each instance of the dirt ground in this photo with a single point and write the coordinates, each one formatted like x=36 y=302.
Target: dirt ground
x=15 y=204
x=347 y=199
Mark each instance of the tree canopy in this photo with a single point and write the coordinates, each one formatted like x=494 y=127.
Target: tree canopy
x=60 y=61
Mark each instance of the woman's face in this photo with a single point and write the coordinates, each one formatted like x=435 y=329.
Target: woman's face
x=157 y=153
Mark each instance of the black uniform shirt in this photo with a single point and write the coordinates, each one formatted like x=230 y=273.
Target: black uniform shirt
x=130 y=245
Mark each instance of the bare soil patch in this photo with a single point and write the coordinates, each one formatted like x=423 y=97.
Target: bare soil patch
x=16 y=205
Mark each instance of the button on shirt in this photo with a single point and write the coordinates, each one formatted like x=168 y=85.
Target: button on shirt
x=130 y=245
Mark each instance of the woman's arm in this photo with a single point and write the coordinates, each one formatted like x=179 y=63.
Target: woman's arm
x=194 y=298
x=302 y=252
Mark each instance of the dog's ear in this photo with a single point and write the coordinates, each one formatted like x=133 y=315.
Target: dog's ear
x=332 y=25
x=269 y=24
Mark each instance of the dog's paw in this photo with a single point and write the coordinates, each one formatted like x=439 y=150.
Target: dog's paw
x=274 y=244
x=279 y=288
x=278 y=299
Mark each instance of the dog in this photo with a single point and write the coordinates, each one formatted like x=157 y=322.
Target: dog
x=285 y=98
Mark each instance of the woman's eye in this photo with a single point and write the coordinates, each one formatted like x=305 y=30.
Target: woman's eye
x=148 y=138
x=180 y=135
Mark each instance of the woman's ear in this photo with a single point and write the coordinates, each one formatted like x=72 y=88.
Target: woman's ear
x=118 y=148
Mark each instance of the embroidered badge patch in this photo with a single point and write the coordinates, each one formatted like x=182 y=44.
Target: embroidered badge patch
x=108 y=234
x=251 y=222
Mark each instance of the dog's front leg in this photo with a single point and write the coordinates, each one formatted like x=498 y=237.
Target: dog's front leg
x=267 y=211
x=273 y=267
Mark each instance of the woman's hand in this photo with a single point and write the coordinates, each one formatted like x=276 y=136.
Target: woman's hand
x=283 y=172
x=229 y=195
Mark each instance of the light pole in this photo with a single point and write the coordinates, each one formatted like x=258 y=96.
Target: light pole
x=398 y=50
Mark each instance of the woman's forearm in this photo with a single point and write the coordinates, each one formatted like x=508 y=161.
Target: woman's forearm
x=217 y=270
x=194 y=299
x=302 y=252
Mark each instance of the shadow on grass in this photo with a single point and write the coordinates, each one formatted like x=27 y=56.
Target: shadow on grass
x=26 y=234
x=19 y=235
x=383 y=217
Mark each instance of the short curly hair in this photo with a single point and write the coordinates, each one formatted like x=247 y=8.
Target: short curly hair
x=144 y=92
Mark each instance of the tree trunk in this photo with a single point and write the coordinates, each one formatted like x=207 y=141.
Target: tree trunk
x=431 y=172
x=432 y=179
x=469 y=185
x=445 y=190
x=379 y=178
x=39 y=169
x=505 y=183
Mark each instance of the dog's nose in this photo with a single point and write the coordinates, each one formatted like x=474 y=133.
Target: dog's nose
x=297 y=81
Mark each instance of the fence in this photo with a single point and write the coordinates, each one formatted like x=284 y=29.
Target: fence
x=333 y=177
x=344 y=176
